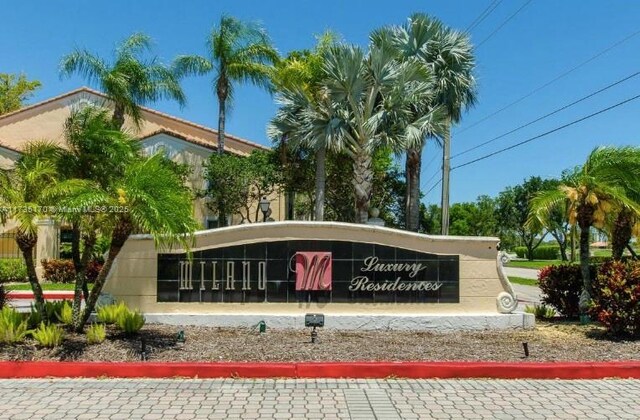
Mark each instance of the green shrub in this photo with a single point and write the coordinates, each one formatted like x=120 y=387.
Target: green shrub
x=521 y=251
x=130 y=322
x=4 y=296
x=48 y=335
x=543 y=252
x=58 y=271
x=13 y=326
x=65 y=313
x=561 y=286
x=12 y=270
x=616 y=297
x=546 y=252
x=109 y=314
x=96 y=333
x=541 y=311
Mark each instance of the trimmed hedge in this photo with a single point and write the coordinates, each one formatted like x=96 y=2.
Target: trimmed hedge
x=12 y=270
x=63 y=271
x=543 y=252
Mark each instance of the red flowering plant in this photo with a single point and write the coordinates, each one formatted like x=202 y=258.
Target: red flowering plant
x=561 y=286
x=616 y=297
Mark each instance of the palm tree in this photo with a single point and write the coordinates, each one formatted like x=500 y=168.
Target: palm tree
x=98 y=153
x=298 y=78
x=238 y=52
x=369 y=94
x=154 y=200
x=21 y=196
x=449 y=56
x=590 y=193
x=130 y=80
x=624 y=226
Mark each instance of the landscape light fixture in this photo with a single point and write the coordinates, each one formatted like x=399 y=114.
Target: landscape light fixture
x=264 y=207
x=314 y=321
x=180 y=339
x=143 y=349
x=525 y=347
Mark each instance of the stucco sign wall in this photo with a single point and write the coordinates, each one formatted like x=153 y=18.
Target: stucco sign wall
x=297 y=267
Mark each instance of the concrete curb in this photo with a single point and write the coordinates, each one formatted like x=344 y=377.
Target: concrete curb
x=361 y=370
x=48 y=294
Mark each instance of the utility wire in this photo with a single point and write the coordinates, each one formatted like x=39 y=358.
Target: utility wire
x=482 y=16
x=547 y=132
x=552 y=81
x=503 y=24
x=435 y=185
x=584 y=98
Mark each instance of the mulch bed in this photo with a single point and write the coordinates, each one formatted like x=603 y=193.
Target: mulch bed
x=559 y=341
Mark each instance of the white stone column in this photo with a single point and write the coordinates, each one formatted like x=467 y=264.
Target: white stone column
x=48 y=245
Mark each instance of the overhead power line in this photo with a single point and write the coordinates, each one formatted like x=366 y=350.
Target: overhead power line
x=482 y=16
x=552 y=81
x=562 y=127
x=584 y=98
x=503 y=24
x=434 y=185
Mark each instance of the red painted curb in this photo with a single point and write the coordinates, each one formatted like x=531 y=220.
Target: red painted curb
x=414 y=370
x=55 y=294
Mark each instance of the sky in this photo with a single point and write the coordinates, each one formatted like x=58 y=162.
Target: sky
x=544 y=40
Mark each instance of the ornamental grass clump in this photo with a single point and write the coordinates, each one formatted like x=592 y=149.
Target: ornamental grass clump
x=96 y=333
x=65 y=313
x=130 y=322
x=13 y=326
x=4 y=296
x=48 y=335
x=541 y=311
x=109 y=314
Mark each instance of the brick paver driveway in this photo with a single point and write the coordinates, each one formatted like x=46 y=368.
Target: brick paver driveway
x=315 y=399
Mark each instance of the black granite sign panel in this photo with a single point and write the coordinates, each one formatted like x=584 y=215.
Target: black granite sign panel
x=309 y=271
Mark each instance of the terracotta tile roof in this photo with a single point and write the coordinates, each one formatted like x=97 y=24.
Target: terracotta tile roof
x=154 y=122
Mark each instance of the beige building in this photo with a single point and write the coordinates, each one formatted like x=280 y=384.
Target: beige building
x=182 y=141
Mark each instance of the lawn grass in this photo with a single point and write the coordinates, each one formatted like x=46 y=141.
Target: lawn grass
x=45 y=286
x=537 y=264
x=523 y=281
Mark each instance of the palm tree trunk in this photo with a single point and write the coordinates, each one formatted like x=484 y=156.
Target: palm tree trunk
x=621 y=234
x=223 y=93
x=26 y=242
x=584 y=262
x=118 y=116
x=362 y=182
x=585 y=220
x=321 y=156
x=412 y=196
x=446 y=152
x=80 y=287
x=119 y=236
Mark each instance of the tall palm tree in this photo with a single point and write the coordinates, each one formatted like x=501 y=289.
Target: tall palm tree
x=156 y=201
x=449 y=56
x=95 y=152
x=22 y=195
x=237 y=52
x=600 y=187
x=369 y=93
x=298 y=78
x=129 y=80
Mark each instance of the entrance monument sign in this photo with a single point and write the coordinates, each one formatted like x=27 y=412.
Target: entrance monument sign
x=359 y=276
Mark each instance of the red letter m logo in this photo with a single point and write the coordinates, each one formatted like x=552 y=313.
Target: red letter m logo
x=313 y=271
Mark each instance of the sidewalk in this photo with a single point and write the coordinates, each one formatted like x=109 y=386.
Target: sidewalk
x=318 y=399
